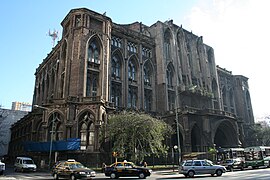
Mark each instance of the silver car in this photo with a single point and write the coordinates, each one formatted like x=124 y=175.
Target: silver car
x=189 y=168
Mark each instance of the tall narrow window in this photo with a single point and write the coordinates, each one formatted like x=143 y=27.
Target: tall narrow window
x=91 y=135
x=131 y=71
x=224 y=96
x=169 y=74
x=92 y=84
x=147 y=100
x=94 y=53
x=167 y=45
x=83 y=136
x=116 y=91
x=87 y=131
x=116 y=67
x=78 y=20
x=147 y=75
x=132 y=97
x=94 y=87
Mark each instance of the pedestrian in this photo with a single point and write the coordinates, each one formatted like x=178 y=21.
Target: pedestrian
x=144 y=164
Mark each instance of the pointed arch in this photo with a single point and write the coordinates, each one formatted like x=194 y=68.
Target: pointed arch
x=148 y=73
x=133 y=66
x=167 y=43
x=94 y=57
x=94 y=50
x=117 y=65
x=55 y=126
x=40 y=136
x=226 y=134
x=148 y=78
x=170 y=73
x=86 y=129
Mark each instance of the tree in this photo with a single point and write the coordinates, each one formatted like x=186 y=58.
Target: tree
x=137 y=135
x=259 y=134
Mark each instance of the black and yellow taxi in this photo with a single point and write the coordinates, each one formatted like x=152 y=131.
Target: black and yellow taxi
x=71 y=169
x=126 y=169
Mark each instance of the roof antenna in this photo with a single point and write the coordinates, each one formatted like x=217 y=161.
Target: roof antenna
x=53 y=35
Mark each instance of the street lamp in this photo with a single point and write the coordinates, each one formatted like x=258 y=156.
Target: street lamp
x=52 y=132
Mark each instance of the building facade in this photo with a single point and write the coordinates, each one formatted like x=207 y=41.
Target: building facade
x=21 y=106
x=99 y=66
x=7 y=118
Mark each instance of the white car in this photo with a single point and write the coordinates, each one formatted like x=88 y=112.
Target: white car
x=2 y=167
x=190 y=168
x=24 y=164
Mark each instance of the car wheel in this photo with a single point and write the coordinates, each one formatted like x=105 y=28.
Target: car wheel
x=191 y=173
x=219 y=172
x=72 y=177
x=113 y=176
x=141 y=176
x=55 y=176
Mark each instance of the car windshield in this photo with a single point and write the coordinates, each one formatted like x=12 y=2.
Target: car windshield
x=76 y=165
x=28 y=162
x=210 y=162
x=229 y=161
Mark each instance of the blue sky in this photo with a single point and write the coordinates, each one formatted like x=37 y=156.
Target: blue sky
x=237 y=30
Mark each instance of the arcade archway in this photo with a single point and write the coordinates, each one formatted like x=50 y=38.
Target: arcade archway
x=226 y=135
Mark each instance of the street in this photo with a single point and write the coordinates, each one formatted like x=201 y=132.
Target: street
x=261 y=174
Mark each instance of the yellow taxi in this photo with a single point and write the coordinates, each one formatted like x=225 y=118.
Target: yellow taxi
x=72 y=169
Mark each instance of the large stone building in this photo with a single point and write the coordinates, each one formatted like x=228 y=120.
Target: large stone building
x=99 y=66
x=7 y=118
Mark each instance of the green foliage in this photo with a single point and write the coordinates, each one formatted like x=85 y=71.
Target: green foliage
x=136 y=135
x=212 y=151
x=260 y=134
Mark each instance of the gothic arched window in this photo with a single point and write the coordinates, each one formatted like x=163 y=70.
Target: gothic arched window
x=94 y=52
x=116 y=67
x=167 y=44
x=147 y=75
x=169 y=74
x=87 y=130
x=132 y=71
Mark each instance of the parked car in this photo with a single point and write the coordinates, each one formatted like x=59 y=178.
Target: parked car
x=24 y=164
x=232 y=164
x=126 y=169
x=189 y=168
x=71 y=169
x=2 y=167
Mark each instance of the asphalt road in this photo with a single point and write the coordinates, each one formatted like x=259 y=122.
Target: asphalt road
x=256 y=174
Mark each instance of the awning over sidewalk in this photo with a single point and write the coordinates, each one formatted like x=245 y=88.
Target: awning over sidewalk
x=65 y=145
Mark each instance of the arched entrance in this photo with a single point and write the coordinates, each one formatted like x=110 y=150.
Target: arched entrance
x=226 y=135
